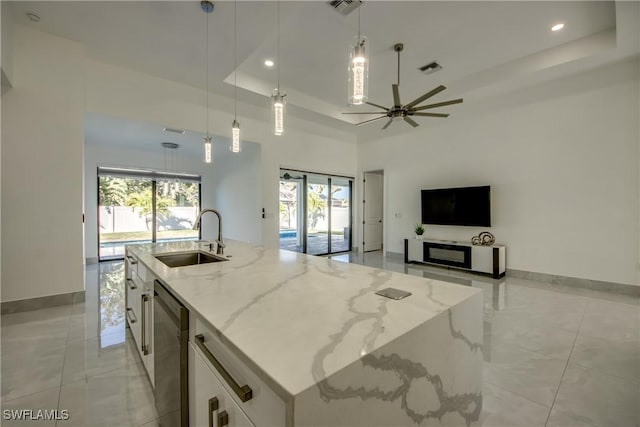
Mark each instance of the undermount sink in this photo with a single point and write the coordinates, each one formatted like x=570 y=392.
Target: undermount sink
x=184 y=259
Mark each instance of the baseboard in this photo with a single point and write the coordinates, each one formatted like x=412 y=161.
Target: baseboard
x=394 y=255
x=29 y=304
x=89 y=261
x=596 y=285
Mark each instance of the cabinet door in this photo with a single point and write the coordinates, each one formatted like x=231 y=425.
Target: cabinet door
x=208 y=400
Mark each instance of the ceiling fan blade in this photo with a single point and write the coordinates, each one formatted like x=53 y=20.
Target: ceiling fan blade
x=430 y=114
x=411 y=121
x=387 y=124
x=439 y=104
x=376 y=105
x=396 y=96
x=369 y=121
x=426 y=96
x=368 y=112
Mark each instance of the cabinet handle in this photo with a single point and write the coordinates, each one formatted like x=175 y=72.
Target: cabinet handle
x=243 y=392
x=132 y=260
x=130 y=315
x=223 y=419
x=132 y=284
x=144 y=347
x=213 y=407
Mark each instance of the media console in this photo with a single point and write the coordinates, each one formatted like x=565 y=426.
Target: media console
x=479 y=259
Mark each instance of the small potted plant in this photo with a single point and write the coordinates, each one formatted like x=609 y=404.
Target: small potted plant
x=419 y=229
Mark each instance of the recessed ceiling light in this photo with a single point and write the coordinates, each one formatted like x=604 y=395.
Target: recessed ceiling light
x=557 y=27
x=33 y=16
x=268 y=63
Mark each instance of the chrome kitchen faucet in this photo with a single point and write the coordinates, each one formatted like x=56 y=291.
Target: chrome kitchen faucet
x=219 y=241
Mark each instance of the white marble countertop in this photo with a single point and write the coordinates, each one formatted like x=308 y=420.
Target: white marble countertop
x=300 y=318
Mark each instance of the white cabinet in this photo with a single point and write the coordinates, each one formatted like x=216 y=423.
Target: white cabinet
x=139 y=309
x=262 y=402
x=480 y=259
x=209 y=403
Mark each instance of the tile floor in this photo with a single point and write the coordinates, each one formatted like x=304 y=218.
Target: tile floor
x=554 y=356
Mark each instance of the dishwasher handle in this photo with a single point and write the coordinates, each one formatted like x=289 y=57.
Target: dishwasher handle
x=144 y=347
x=243 y=392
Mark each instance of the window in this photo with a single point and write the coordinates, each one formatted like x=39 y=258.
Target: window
x=139 y=206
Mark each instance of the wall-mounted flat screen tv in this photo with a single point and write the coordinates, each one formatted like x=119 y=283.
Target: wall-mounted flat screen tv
x=457 y=206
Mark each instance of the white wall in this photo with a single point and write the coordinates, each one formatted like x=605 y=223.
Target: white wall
x=306 y=145
x=238 y=195
x=42 y=168
x=562 y=162
x=99 y=153
x=6 y=40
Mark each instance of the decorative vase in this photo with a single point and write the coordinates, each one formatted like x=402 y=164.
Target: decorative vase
x=419 y=236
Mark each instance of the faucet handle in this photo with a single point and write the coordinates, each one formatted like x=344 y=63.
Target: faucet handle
x=221 y=243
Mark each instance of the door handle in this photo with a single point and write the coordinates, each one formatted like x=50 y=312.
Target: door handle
x=132 y=284
x=243 y=392
x=223 y=419
x=213 y=407
x=130 y=314
x=132 y=260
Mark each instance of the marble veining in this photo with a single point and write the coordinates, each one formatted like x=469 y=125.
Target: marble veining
x=379 y=278
x=467 y=405
x=245 y=309
x=457 y=334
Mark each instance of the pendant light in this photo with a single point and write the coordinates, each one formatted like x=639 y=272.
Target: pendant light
x=277 y=98
x=359 y=68
x=235 y=126
x=207 y=7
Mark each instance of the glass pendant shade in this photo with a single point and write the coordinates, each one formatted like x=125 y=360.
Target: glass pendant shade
x=278 y=113
x=235 y=137
x=359 y=71
x=208 y=147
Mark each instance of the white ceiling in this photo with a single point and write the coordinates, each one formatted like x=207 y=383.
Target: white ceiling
x=479 y=43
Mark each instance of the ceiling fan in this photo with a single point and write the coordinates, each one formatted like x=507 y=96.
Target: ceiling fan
x=405 y=112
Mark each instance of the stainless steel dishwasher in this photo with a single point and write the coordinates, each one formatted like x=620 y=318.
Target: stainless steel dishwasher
x=171 y=335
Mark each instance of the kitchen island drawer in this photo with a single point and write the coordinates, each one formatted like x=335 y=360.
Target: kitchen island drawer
x=250 y=392
x=209 y=403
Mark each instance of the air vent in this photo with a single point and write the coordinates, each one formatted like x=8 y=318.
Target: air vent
x=345 y=7
x=431 y=68
x=172 y=130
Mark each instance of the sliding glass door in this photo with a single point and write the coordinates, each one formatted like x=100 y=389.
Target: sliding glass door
x=136 y=206
x=340 y=212
x=315 y=212
x=177 y=206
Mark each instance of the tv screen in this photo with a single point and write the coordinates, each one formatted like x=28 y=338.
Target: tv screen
x=457 y=206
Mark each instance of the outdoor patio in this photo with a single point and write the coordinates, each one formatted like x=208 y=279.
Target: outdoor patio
x=316 y=243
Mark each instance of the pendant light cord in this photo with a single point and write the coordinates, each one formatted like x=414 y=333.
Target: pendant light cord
x=207 y=44
x=235 y=60
x=359 y=23
x=278 y=46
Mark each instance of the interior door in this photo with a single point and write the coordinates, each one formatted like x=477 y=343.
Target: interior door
x=373 y=220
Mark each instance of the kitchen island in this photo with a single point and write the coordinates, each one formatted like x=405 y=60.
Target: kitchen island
x=316 y=344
